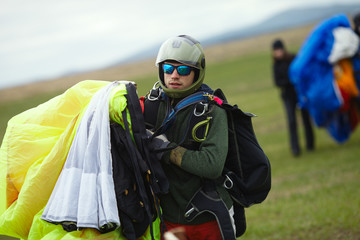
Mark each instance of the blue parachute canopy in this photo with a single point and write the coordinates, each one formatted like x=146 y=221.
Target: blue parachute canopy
x=312 y=74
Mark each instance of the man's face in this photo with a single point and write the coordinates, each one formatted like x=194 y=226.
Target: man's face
x=278 y=53
x=176 y=81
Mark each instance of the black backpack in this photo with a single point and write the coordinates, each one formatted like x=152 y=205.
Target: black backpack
x=246 y=165
x=247 y=171
x=138 y=175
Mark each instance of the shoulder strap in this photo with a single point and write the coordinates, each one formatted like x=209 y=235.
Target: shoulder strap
x=188 y=101
x=200 y=100
x=151 y=106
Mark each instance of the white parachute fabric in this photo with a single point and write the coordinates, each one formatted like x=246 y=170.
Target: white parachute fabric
x=84 y=193
x=346 y=44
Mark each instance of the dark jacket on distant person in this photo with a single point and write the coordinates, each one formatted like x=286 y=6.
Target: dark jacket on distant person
x=280 y=70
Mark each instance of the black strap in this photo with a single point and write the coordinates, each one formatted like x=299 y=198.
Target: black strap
x=240 y=220
x=133 y=217
x=139 y=164
x=137 y=158
x=160 y=182
x=151 y=107
x=207 y=199
x=157 y=179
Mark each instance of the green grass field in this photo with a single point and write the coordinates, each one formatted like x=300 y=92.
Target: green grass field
x=314 y=196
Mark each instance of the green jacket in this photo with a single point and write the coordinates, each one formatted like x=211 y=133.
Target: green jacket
x=206 y=162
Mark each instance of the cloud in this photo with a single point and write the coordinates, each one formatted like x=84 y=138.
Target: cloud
x=47 y=37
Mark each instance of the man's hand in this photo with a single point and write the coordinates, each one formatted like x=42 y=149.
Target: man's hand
x=157 y=142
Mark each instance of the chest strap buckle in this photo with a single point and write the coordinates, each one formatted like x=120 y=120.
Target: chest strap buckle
x=200 y=109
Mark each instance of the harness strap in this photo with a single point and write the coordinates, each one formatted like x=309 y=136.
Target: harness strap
x=192 y=99
x=207 y=199
x=151 y=106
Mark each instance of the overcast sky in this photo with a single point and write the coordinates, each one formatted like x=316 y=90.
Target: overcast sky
x=46 y=38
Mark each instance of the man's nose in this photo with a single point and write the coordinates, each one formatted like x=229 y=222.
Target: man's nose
x=175 y=74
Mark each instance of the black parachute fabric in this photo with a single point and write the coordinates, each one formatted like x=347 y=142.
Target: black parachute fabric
x=137 y=174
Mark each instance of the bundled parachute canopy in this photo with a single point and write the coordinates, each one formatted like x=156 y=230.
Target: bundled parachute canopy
x=32 y=155
x=323 y=76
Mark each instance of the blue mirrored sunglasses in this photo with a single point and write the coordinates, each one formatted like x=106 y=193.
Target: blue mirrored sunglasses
x=182 y=70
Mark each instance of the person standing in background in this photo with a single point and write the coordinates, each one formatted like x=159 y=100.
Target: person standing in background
x=281 y=62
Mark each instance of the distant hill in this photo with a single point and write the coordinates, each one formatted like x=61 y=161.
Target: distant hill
x=284 y=20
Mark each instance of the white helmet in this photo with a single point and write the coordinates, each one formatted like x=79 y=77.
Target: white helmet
x=186 y=50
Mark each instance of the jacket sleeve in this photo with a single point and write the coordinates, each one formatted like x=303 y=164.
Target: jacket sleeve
x=209 y=160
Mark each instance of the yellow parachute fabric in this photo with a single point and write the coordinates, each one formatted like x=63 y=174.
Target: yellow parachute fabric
x=41 y=229
x=32 y=155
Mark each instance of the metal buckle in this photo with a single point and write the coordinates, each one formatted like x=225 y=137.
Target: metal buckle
x=155 y=88
x=205 y=108
x=187 y=214
x=228 y=183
